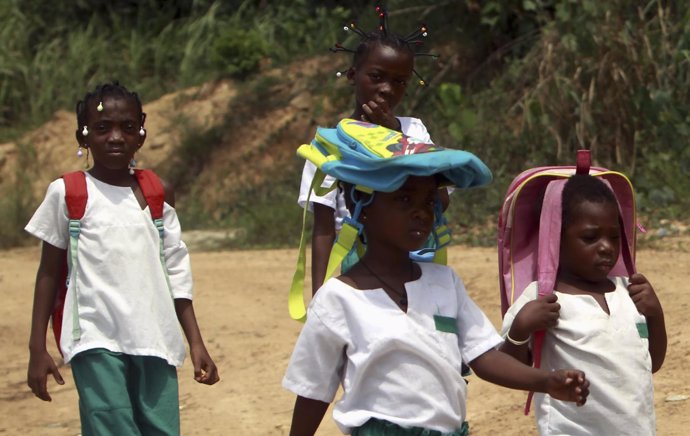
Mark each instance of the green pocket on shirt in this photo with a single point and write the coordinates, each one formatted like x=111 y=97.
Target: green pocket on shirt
x=446 y=324
x=642 y=330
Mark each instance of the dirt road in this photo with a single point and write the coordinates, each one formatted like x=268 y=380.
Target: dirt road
x=241 y=305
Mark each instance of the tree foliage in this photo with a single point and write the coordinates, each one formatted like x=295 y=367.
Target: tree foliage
x=521 y=83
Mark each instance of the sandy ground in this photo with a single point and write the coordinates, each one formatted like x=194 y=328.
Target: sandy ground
x=241 y=306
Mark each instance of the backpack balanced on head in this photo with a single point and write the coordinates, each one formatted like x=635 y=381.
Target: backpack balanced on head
x=381 y=159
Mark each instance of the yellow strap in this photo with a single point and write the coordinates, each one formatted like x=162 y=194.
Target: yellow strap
x=444 y=237
x=298 y=310
x=313 y=154
x=341 y=247
x=441 y=256
x=296 y=307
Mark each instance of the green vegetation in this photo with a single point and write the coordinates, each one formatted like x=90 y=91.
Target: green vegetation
x=16 y=205
x=521 y=83
x=610 y=76
x=51 y=52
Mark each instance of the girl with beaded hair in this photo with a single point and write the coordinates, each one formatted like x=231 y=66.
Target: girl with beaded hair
x=382 y=67
x=128 y=293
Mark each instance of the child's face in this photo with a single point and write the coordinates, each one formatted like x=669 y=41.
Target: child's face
x=403 y=218
x=590 y=244
x=382 y=76
x=113 y=136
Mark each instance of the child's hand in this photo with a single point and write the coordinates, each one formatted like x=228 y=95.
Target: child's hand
x=205 y=370
x=379 y=113
x=568 y=385
x=540 y=314
x=40 y=365
x=643 y=296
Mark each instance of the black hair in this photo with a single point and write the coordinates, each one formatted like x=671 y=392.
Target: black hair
x=383 y=37
x=583 y=187
x=349 y=190
x=102 y=91
x=373 y=39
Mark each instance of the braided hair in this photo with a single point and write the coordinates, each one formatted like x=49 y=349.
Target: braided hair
x=382 y=36
x=102 y=91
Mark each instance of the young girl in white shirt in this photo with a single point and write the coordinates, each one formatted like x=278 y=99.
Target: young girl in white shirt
x=611 y=327
x=122 y=315
x=393 y=332
x=382 y=68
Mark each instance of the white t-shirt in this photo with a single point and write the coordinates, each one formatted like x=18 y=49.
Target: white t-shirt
x=409 y=126
x=124 y=304
x=612 y=353
x=401 y=367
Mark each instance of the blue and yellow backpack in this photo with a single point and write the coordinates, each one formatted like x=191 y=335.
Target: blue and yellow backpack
x=375 y=158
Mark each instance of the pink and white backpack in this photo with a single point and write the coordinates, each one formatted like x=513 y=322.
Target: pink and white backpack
x=529 y=245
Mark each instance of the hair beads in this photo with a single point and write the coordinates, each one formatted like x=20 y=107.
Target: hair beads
x=410 y=42
x=99 y=94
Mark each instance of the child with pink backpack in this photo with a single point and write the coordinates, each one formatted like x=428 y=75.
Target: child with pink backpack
x=585 y=306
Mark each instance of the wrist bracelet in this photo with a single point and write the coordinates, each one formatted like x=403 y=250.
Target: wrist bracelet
x=514 y=342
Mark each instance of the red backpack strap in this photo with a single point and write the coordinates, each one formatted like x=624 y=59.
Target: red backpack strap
x=154 y=193
x=75 y=194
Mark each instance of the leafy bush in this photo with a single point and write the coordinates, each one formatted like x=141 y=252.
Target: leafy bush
x=612 y=77
x=237 y=52
x=520 y=83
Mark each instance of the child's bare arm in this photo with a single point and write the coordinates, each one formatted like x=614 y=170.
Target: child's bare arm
x=323 y=235
x=307 y=416
x=40 y=362
x=502 y=369
x=648 y=304
x=540 y=314
x=205 y=370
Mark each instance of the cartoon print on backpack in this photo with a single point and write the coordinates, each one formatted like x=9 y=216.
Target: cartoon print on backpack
x=409 y=145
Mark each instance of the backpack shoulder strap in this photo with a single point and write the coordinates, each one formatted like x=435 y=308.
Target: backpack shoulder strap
x=75 y=194
x=154 y=193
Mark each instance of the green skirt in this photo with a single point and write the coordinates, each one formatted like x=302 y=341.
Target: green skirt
x=379 y=427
